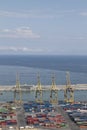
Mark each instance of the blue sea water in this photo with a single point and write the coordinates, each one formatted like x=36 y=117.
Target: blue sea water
x=28 y=67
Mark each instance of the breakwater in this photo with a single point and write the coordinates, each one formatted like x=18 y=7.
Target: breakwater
x=26 y=87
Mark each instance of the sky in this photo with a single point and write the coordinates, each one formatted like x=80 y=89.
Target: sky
x=43 y=27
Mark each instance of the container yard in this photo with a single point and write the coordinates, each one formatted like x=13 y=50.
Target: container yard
x=40 y=116
x=43 y=115
x=31 y=115
x=8 y=115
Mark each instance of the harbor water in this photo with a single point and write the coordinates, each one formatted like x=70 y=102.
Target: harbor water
x=28 y=68
x=30 y=96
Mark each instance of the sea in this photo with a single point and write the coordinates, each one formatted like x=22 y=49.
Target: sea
x=28 y=67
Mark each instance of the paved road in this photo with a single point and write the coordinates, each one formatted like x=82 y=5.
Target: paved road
x=20 y=118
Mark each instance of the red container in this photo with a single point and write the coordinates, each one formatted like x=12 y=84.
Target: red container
x=29 y=116
x=3 y=123
x=43 y=115
x=13 y=121
x=36 y=122
x=58 y=116
x=30 y=121
x=35 y=119
x=12 y=114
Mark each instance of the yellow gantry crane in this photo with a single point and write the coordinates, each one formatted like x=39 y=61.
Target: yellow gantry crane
x=53 y=92
x=38 y=93
x=17 y=91
x=69 y=91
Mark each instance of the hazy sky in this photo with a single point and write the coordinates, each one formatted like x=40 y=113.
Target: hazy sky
x=43 y=27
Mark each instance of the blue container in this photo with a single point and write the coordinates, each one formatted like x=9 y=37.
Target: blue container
x=9 y=123
x=36 y=125
x=26 y=110
x=46 y=120
x=34 y=105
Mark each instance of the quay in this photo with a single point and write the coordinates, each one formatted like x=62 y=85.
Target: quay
x=26 y=87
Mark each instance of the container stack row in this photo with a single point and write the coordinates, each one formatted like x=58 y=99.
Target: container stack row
x=43 y=115
x=7 y=117
x=77 y=112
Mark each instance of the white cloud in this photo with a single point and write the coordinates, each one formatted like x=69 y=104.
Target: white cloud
x=22 y=32
x=83 y=13
x=26 y=14
x=20 y=49
x=36 y=13
x=82 y=38
x=12 y=14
